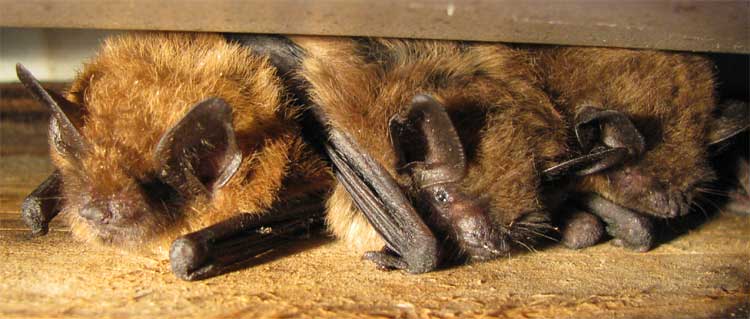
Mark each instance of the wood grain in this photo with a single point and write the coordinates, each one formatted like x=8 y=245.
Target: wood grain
x=711 y=26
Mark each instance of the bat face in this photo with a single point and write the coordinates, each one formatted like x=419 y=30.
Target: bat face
x=159 y=132
x=669 y=98
x=119 y=209
x=483 y=195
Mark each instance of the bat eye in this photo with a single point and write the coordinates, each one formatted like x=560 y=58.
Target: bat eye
x=159 y=192
x=441 y=196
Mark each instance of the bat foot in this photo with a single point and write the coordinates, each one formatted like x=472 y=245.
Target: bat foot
x=619 y=242
x=636 y=233
x=386 y=260
x=630 y=229
x=581 y=230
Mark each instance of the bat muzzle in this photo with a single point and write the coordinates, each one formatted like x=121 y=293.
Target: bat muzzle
x=464 y=219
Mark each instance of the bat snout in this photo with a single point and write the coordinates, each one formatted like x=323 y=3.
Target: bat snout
x=478 y=239
x=673 y=204
x=109 y=213
x=96 y=214
x=485 y=247
x=646 y=194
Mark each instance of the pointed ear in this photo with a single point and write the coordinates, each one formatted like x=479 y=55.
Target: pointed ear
x=607 y=138
x=427 y=144
x=199 y=154
x=67 y=117
x=730 y=118
x=609 y=128
x=598 y=130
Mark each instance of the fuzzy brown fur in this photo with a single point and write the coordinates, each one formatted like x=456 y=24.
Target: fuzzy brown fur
x=137 y=87
x=507 y=125
x=668 y=96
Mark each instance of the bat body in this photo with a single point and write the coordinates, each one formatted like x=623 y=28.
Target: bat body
x=670 y=100
x=164 y=134
x=461 y=130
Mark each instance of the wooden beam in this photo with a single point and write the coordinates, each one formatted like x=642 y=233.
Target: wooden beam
x=672 y=25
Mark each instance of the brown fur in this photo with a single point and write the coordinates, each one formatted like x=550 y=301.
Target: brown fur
x=141 y=84
x=668 y=96
x=508 y=126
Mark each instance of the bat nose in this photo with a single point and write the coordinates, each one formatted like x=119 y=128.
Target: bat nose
x=95 y=214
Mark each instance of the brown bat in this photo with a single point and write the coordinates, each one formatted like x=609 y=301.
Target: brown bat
x=660 y=109
x=182 y=139
x=470 y=133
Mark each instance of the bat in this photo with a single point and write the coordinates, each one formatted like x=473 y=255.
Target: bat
x=470 y=134
x=178 y=144
x=660 y=109
x=733 y=168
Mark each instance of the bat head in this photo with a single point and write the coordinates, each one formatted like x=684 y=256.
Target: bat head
x=665 y=179
x=144 y=155
x=118 y=193
x=668 y=97
x=431 y=152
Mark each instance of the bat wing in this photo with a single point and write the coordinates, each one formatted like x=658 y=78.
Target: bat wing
x=382 y=201
x=233 y=243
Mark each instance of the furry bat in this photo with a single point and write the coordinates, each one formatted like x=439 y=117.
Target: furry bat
x=470 y=132
x=660 y=109
x=733 y=170
x=178 y=138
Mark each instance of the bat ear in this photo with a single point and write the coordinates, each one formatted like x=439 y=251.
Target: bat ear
x=730 y=118
x=67 y=117
x=199 y=154
x=427 y=144
x=607 y=138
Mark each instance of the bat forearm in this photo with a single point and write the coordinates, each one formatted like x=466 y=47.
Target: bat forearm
x=230 y=244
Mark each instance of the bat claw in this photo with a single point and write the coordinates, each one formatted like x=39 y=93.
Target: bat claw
x=620 y=242
x=385 y=260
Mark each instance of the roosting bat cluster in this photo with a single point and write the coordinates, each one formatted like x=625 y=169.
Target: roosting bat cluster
x=214 y=148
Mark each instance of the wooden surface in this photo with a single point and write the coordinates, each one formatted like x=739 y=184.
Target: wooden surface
x=714 y=26
x=702 y=274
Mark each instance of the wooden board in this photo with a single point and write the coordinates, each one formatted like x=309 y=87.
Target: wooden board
x=672 y=25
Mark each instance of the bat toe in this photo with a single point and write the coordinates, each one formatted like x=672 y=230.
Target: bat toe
x=582 y=230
